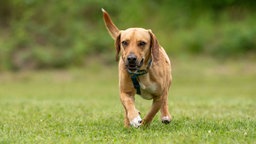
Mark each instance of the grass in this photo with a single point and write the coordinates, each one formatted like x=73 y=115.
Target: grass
x=211 y=101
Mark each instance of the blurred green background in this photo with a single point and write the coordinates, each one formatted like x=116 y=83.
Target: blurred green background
x=59 y=77
x=39 y=34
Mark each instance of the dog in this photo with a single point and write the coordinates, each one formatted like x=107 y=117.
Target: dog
x=144 y=69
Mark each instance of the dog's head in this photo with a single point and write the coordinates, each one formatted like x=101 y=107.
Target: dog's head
x=136 y=45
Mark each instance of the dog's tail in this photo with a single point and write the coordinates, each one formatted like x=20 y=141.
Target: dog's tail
x=112 y=29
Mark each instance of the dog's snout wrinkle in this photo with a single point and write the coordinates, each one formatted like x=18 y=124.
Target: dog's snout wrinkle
x=141 y=62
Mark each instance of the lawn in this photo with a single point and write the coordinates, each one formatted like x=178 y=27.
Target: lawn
x=211 y=102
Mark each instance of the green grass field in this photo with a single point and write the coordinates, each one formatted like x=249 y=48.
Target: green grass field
x=211 y=102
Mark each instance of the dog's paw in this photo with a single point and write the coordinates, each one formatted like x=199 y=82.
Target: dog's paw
x=166 y=119
x=136 y=122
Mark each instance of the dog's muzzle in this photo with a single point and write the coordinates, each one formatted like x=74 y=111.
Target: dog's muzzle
x=132 y=63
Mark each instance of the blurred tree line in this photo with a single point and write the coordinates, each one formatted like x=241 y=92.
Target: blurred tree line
x=38 y=34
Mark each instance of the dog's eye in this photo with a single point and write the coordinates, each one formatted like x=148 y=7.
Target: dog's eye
x=141 y=43
x=124 y=43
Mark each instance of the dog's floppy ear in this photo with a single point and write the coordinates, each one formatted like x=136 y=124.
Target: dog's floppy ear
x=154 y=46
x=111 y=27
x=117 y=45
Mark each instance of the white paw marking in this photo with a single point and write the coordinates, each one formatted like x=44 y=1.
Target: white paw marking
x=136 y=122
x=166 y=118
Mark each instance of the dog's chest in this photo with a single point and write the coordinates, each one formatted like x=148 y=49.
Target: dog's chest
x=147 y=91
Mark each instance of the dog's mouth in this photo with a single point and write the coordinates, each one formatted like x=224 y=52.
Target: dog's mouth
x=133 y=67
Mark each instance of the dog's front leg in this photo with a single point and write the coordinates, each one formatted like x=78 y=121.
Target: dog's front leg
x=132 y=116
x=157 y=103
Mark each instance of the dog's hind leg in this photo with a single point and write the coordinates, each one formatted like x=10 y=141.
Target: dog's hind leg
x=157 y=103
x=165 y=115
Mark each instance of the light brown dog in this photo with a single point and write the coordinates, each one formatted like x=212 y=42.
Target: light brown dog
x=144 y=68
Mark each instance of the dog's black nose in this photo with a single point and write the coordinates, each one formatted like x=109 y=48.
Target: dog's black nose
x=131 y=58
